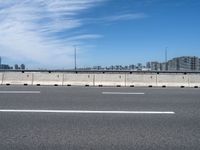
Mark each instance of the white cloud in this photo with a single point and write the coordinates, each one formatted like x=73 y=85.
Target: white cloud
x=116 y=18
x=28 y=30
x=129 y=16
x=85 y=37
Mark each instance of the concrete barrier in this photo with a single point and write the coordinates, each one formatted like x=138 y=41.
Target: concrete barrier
x=101 y=79
x=194 y=80
x=172 y=80
x=84 y=79
x=17 y=78
x=110 y=79
x=1 y=78
x=140 y=79
x=47 y=78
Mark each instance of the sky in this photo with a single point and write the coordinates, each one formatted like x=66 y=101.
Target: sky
x=43 y=33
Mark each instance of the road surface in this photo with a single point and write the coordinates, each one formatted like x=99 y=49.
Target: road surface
x=89 y=118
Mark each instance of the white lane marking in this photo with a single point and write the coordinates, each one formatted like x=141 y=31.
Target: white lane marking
x=121 y=93
x=19 y=92
x=86 y=111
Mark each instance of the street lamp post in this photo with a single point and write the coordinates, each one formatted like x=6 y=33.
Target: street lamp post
x=75 y=58
x=166 y=54
x=166 y=63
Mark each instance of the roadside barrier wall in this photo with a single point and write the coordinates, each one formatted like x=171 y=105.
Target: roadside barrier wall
x=85 y=79
x=173 y=80
x=101 y=79
x=110 y=79
x=16 y=78
x=194 y=80
x=46 y=78
x=1 y=78
x=141 y=79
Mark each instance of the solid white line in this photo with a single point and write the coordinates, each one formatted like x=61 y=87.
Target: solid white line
x=86 y=111
x=19 y=92
x=121 y=93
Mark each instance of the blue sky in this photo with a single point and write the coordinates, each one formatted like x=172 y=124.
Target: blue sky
x=42 y=33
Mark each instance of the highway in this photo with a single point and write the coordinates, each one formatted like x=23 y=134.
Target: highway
x=99 y=118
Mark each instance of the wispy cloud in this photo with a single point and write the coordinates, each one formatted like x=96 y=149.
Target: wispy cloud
x=116 y=18
x=43 y=32
x=127 y=16
x=85 y=37
x=28 y=29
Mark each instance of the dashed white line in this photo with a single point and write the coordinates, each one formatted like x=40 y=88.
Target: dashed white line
x=121 y=93
x=85 y=111
x=19 y=92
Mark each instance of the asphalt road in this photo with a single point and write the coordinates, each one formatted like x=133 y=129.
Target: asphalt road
x=99 y=131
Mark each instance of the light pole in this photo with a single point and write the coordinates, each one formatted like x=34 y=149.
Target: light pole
x=166 y=54
x=166 y=63
x=75 y=57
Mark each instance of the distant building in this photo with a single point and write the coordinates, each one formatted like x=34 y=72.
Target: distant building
x=23 y=67
x=139 y=66
x=5 y=67
x=148 y=65
x=164 y=66
x=173 y=65
x=132 y=67
x=16 y=67
x=111 y=68
x=97 y=68
x=185 y=63
x=195 y=63
x=154 y=66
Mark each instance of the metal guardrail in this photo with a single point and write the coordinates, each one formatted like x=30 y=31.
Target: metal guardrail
x=104 y=71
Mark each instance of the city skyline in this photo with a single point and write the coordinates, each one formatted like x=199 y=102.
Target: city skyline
x=43 y=33
x=181 y=63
